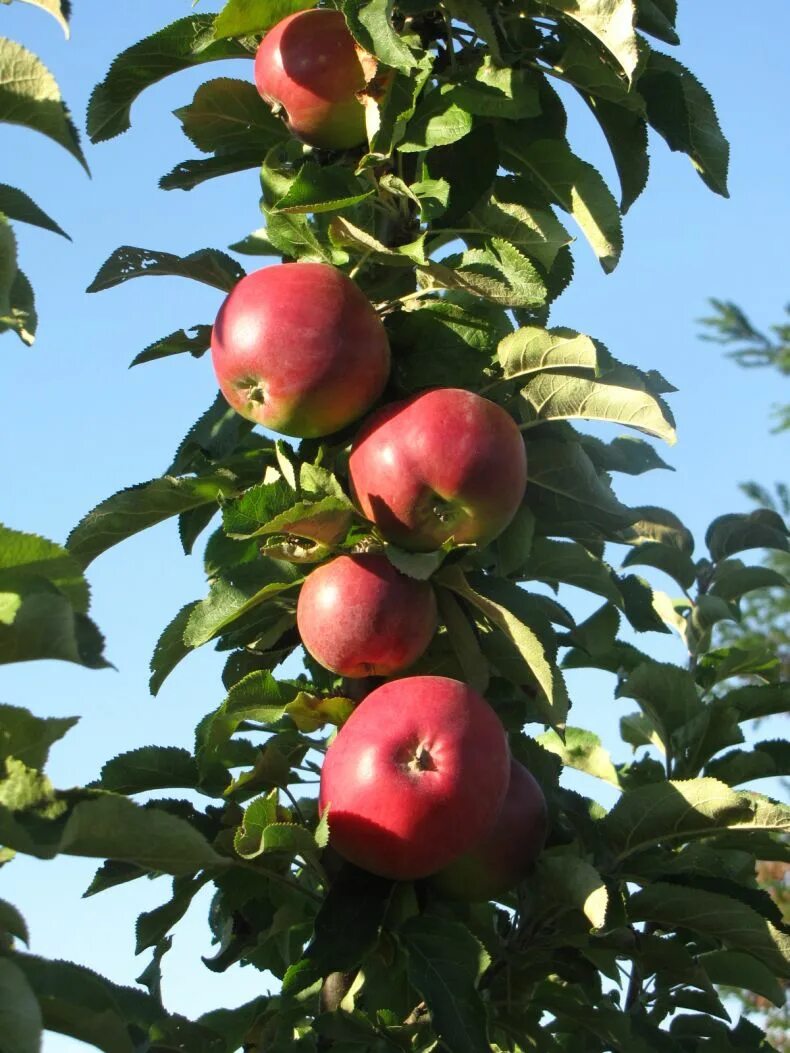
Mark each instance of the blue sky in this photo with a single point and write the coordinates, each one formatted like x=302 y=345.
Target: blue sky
x=77 y=426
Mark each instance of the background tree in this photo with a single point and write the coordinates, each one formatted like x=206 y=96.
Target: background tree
x=627 y=923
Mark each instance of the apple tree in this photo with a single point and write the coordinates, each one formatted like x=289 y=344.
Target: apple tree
x=447 y=195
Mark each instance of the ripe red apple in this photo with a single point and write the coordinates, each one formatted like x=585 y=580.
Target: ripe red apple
x=415 y=777
x=298 y=348
x=359 y=616
x=310 y=65
x=508 y=851
x=443 y=464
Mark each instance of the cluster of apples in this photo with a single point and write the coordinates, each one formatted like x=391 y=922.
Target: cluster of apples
x=419 y=781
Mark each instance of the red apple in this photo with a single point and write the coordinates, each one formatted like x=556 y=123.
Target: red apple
x=310 y=65
x=359 y=616
x=508 y=851
x=443 y=464
x=298 y=348
x=415 y=777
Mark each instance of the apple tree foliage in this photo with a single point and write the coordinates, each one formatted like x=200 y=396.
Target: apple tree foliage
x=456 y=219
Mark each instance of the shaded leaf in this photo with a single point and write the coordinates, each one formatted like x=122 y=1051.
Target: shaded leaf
x=742 y=970
x=149 y=768
x=139 y=507
x=21 y=1022
x=570 y=183
x=206 y=265
x=682 y=112
x=170 y=648
x=235 y=594
x=733 y=533
x=347 y=926
x=727 y=920
x=573 y=882
x=187 y=42
x=194 y=341
x=444 y=962
x=765 y=760
x=16 y=204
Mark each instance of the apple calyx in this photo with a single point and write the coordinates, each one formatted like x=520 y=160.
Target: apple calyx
x=419 y=759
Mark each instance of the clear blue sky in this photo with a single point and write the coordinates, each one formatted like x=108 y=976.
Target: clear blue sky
x=76 y=425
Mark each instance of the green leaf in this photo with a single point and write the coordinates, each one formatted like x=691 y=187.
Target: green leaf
x=682 y=112
x=572 y=882
x=209 y=266
x=765 y=760
x=666 y=693
x=21 y=1022
x=476 y=15
x=532 y=350
x=497 y=90
x=240 y=17
x=620 y=396
x=310 y=712
x=462 y=336
x=726 y=920
x=464 y=641
x=737 y=532
x=257 y=697
x=139 y=507
x=526 y=641
x=323 y=188
x=170 y=648
x=685 y=811
x=20 y=316
x=439 y=120
x=236 y=593
x=8 y=268
x=370 y=23
x=582 y=750
x=510 y=215
x=42 y=623
x=609 y=21
x=18 y=206
x=29 y=95
x=187 y=42
x=515 y=542
x=194 y=341
x=673 y=561
x=227 y=116
x=287 y=839
x=149 y=768
x=105 y=827
x=347 y=926
x=725 y=663
x=444 y=962
x=259 y=814
x=500 y=273
x=24 y=556
x=742 y=970
x=572 y=184
x=27 y=737
x=59 y=9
